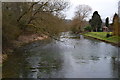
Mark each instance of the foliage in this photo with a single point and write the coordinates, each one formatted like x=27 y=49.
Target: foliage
x=76 y=25
x=108 y=35
x=10 y=27
x=79 y=20
x=43 y=17
x=116 y=25
x=88 y=28
x=96 y=21
x=107 y=22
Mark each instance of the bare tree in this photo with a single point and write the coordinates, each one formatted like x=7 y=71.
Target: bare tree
x=83 y=11
x=32 y=17
x=49 y=6
x=79 y=20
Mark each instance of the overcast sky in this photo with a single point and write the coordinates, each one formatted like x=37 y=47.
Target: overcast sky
x=106 y=8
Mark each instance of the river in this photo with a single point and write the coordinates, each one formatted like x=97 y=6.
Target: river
x=72 y=57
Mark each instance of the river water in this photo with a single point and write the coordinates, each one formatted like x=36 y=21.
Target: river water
x=72 y=57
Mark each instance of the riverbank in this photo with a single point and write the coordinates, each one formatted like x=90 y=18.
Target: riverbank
x=20 y=41
x=114 y=40
x=71 y=58
x=25 y=39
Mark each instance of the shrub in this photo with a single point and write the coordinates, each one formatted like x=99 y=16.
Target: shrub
x=88 y=28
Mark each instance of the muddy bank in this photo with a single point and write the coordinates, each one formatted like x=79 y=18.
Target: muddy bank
x=22 y=40
x=73 y=58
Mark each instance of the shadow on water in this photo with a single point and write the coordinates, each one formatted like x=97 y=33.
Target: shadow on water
x=29 y=63
x=75 y=57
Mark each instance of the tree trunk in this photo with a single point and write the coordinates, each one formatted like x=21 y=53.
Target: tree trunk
x=96 y=29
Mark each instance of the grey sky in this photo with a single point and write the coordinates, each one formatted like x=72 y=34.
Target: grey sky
x=106 y=8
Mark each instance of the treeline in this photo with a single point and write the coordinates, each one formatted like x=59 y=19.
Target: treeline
x=43 y=17
x=80 y=22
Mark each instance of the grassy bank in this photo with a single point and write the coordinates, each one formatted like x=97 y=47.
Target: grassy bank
x=102 y=36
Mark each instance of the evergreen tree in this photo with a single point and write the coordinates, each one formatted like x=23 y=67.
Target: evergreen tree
x=96 y=21
x=107 y=22
x=116 y=27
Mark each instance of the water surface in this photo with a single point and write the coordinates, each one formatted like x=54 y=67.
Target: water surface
x=69 y=58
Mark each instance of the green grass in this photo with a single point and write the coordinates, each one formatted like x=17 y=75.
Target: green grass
x=102 y=36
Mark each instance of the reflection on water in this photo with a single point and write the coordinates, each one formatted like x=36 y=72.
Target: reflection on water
x=73 y=58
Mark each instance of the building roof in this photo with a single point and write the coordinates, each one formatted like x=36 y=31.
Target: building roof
x=104 y=27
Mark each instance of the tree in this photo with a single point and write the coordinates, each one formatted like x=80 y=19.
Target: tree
x=96 y=21
x=34 y=17
x=82 y=11
x=116 y=25
x=107 y=22
x=88 y=28
x=54 y=7
x=79 y=20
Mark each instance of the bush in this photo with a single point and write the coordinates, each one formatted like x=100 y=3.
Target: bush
x=88 y=28
x=108 y=35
